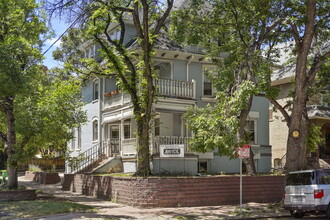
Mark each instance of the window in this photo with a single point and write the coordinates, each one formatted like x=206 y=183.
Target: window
x=250 y=131
x=73 y=144
x=202 y=166
x=208 y=89
x=79 y=138
x=115 y=34
x=95 y=90
x=157 y=126
x=127 y=131
x=95 y=130
x=164 y=70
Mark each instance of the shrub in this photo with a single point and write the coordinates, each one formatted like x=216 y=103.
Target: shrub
x=34 y=168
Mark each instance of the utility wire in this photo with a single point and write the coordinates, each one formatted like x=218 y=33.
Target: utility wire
x=73 y=23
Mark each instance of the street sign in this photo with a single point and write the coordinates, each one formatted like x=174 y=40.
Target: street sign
x=244 y=152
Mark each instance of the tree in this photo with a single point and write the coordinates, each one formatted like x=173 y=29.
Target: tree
x=309 y=30
x=132 y=66
x=251 y=33
x=30 y=111
x=233 y=33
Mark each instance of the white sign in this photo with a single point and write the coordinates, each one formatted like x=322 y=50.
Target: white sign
x=244 y=152
x=176 y=150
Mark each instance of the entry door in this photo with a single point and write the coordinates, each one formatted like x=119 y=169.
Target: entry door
x=114 y=138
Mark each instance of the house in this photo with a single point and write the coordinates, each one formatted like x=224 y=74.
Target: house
x=109 y=134
x=318 y=108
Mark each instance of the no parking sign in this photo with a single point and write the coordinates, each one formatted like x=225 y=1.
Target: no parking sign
x=244 y=152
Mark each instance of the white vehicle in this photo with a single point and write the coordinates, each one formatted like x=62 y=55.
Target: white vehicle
x=308 y=191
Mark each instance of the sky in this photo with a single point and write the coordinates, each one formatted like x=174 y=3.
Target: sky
x=59 y=28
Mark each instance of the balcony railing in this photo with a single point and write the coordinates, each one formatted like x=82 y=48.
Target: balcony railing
x=164 y=87
x=175 y=88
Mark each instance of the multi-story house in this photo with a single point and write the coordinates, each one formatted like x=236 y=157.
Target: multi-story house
x=318 y=108
x=110 y=130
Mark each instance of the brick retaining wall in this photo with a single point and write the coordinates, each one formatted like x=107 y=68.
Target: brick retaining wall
x=173 y=192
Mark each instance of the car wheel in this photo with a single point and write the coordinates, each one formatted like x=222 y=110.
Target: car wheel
x=328 y=212
x=296 y=214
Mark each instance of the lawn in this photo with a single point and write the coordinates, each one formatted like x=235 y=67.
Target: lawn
x=41 y=207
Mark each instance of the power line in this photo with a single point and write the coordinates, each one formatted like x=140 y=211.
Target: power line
x=73 y=23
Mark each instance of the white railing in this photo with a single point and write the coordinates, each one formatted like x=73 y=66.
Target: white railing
x=168 y=140
x=175 y=88
x=128 y=147
x=165 y=87
x=116 y=100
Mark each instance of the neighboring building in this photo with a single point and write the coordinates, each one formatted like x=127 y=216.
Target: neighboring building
x=318 y=108
x=110 y=130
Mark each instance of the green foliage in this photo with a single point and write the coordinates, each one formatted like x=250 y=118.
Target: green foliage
x=217 y=127
x=34 y=168
x=315 y=138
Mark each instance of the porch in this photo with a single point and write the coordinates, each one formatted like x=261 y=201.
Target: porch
x=127 y=147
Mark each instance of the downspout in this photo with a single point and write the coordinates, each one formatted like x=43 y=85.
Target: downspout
x=187 y=67
x=101 y=97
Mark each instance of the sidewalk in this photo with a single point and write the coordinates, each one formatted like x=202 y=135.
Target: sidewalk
x=110 y=210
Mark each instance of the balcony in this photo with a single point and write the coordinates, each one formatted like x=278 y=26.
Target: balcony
x=164 y=87
x=176 y=88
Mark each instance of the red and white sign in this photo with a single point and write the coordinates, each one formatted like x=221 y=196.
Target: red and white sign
x=244 y=152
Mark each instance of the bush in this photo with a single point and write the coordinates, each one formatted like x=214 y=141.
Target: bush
x=34 y=168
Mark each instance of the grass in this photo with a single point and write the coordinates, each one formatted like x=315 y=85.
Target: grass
x=42 y=207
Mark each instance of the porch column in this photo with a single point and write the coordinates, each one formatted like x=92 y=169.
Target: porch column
x=121 y=136
x=182 y=132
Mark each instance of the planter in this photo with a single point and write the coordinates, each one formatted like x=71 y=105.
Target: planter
x=18 y=195
x=43 y=177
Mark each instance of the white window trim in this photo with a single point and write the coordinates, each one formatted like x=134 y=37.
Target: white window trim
x=96 y=81
x=130 y=130
x=255 y=120
x=205 y=66
x=97 y=130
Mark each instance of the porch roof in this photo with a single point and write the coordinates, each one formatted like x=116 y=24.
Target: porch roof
x=316 y=111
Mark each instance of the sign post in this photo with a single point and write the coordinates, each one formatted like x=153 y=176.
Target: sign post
x=243 y=152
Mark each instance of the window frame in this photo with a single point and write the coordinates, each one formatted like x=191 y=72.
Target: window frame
x=213 y=90
x=158 y=61
x=95 y=130
x=255 y=130
x=96 y=89
x=157 y=127
x=130 y=136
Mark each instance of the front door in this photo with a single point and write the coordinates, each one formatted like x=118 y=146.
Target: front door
x=114 y=138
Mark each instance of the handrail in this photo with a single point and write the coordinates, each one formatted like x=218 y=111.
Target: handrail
x=87 y=158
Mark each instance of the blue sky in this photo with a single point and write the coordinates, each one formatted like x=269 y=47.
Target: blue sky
x=59 y=28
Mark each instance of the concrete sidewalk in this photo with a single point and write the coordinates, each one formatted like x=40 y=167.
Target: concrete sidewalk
x=110 y=210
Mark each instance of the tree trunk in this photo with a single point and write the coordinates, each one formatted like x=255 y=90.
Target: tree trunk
x=249 y=162
x=143 y=152
x=10 y=143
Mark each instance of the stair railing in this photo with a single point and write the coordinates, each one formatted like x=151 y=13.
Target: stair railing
x=87 y=158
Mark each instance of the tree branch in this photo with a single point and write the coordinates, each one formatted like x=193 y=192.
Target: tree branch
x=161 y=21
x=3 y=136
x=315 y=67
x=279 y=107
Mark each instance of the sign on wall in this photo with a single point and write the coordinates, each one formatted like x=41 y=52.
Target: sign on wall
x=172 y=150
